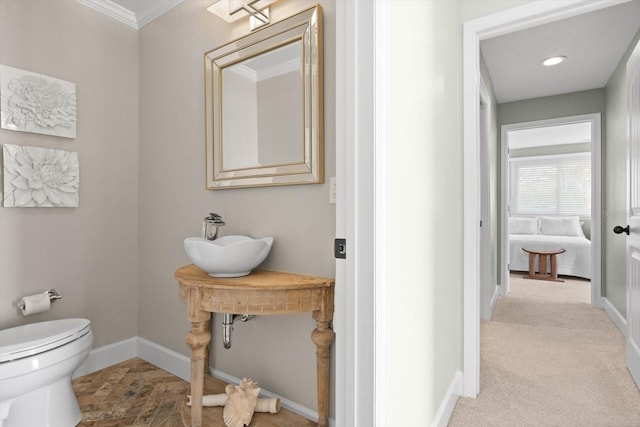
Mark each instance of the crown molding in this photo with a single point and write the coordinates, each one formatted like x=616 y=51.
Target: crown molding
x=155 y=10
x=113 y=10
x=127 y=16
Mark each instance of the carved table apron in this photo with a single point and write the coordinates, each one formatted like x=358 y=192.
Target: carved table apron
x=260 y=293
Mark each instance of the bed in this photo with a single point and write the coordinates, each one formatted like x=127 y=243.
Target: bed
x=547 y=233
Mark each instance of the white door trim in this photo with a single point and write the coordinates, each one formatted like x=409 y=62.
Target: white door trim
x=510 y=20
x=486 y=307
x=381 y=90
x=596 y=196
x=504 y=211
x=360 y=300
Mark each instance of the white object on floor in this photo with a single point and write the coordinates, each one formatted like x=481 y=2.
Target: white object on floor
x=269 y=404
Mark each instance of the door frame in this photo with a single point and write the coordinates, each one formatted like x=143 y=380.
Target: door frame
x=488 y=290
x=510 y=20
x=596 y=196
x=360 y=297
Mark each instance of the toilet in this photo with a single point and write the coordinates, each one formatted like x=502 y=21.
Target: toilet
x=36 y=364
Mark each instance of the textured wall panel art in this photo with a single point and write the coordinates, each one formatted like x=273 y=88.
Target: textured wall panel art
x=40 y=177
x=37 y=103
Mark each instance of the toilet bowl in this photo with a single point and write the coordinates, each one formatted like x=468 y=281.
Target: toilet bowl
x=36 y=364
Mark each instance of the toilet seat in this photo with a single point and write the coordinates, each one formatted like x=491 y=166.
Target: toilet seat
x=27 y=340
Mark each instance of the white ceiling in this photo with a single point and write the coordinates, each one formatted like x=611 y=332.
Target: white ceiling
x=593 y=43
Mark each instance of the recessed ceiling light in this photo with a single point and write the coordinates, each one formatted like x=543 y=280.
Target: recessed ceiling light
x=554 y=60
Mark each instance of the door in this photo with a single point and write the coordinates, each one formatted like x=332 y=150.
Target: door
x=633 y=213
x=486 y=284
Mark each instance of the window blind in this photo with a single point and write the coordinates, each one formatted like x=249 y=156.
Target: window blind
x=555 y=185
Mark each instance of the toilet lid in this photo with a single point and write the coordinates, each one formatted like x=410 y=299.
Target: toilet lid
x=27 y=340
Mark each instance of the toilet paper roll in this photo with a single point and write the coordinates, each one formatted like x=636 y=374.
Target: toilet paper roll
x=35 y=303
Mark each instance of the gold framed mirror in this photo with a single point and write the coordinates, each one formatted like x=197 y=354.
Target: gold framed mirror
x=264 y=104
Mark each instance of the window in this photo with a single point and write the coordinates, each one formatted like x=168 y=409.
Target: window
x=555 y=185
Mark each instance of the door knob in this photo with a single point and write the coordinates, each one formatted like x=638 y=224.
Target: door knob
x=619 y=230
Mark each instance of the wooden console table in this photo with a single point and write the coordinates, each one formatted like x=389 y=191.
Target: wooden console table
x=260 y=293
x=542 y=264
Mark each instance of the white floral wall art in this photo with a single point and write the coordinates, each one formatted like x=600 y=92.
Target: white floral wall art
x=40 y=177
x=37 y=103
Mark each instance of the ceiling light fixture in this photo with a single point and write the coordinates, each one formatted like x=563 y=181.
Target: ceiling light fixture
x=554 y=60
x=232 y=10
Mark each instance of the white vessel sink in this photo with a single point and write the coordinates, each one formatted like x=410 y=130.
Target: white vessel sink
x=228 y=256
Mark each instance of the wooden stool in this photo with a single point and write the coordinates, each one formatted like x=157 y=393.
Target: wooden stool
x=542 y=264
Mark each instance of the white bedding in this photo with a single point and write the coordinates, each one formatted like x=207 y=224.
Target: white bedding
x=576 y=261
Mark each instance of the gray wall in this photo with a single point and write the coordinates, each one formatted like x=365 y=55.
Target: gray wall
x=614 y=188
x=275 y=351
x=549 y=107
x=89 y=253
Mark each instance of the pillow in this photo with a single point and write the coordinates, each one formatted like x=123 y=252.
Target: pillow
x=561 y=226
x=523 y=226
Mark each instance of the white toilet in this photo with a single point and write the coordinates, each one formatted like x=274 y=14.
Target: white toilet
x=36 y=363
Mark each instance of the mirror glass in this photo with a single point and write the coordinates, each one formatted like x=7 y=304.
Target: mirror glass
x=252 y=123
x=264 y=106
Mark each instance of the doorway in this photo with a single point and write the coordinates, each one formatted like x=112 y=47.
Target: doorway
x=520 y=18
x=565 y=152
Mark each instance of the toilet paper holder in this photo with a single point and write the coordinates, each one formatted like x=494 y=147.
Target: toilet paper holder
x=52 y=293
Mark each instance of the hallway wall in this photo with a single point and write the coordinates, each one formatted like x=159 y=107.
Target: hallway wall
x=425 y=208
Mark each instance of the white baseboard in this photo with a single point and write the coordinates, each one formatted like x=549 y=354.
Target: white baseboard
x=172 y=362
x=165 y=358
x=448 y=404
x=615 y=316
x=108 y=355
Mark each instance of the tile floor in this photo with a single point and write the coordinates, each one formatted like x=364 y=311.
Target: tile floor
x=137 y=393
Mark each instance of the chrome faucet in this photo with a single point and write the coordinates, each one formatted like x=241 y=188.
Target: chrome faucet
x=210 y=226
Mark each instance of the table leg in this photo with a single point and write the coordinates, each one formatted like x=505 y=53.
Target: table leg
x=198 y=339
x=322 y=337
x=554 y=267
x=542 y=265
x=532 y=265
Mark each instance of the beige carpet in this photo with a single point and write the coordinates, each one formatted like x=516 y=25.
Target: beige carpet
x=547 y=358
